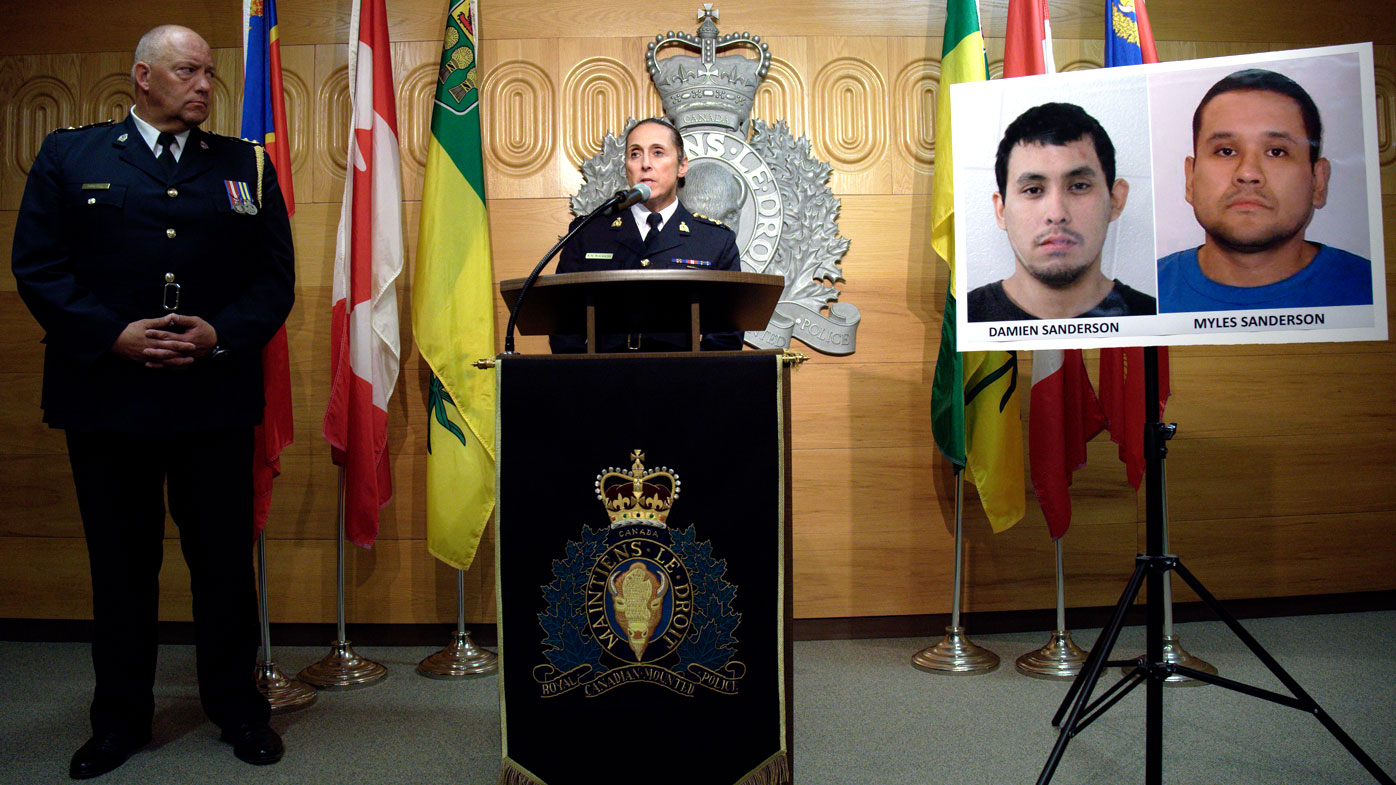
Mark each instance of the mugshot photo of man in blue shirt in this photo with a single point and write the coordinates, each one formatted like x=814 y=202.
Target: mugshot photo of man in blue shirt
x=1255 y=179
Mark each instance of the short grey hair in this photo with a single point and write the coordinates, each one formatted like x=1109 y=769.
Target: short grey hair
x=153 y=47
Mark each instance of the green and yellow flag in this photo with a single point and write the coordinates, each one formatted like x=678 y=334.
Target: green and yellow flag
x=974 y=397
x=452 y=306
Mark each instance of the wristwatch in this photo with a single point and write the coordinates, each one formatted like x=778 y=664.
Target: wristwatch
x=218 y=353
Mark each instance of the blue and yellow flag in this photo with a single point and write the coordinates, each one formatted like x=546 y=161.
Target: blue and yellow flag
x=453 y=307
x=263 y=98
x=1128 y=38
x=975 y=414
x=264 y=120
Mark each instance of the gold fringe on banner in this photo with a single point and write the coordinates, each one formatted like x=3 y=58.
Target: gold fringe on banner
x=509 y=774
x=775 y=771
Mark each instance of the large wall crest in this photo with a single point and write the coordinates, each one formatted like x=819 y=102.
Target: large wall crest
x=754 y=176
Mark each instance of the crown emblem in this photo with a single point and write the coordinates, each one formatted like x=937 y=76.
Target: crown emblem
x=638 y=494
x=707 y=89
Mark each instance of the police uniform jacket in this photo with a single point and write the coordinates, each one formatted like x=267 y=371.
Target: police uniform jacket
x=100 y=228
x=686 y=242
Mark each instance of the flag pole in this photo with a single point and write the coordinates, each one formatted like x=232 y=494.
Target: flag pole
x=284 y=694
x=461 y=659
x=1173 y=651
x=1061 y=658
x=342 y=669
x=956 y=653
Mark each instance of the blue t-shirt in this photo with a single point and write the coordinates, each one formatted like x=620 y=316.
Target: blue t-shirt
x=1334 y=277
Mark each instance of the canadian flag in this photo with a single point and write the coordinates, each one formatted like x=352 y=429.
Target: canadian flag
x=1122 y=370
x=1027 y=43
x=364 y=344
x=1063 y=412
x=1063 y=415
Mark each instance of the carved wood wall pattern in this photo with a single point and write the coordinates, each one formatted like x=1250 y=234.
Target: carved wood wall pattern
x=528 y=111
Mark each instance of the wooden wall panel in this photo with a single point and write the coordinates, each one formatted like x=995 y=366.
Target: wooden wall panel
x=1385 y=66
x=519 y=120
x=397 y=582
x=1314 y=554
x=1294 y=24
x=784 y=94
x=40 y=93
x=1281 y=478
x=914 y=73
x=849 y=118
x=331 y=124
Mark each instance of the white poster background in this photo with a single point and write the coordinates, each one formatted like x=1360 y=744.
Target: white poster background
x=1147 y=111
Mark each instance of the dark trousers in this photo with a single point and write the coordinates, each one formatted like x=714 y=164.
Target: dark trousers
x=121 y=483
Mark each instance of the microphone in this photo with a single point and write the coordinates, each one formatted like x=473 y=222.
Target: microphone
x=621 y=200
x=625 y=198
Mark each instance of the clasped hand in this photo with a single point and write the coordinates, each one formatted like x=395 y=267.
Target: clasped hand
x=172 y=341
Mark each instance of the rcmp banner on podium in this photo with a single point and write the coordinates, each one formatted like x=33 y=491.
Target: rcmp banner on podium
x=641 y=571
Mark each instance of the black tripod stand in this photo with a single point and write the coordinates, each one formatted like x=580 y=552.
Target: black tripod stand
x=1152 y=669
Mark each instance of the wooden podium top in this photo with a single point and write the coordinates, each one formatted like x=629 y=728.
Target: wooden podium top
x=645 y=301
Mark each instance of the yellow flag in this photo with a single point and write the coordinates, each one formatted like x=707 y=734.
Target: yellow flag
x=975 y=413
x=453 y=306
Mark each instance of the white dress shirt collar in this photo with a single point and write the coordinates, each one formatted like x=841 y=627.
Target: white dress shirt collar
x=641 y=214
x=150 y=133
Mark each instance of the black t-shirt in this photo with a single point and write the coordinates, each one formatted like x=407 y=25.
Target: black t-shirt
x=989 y=303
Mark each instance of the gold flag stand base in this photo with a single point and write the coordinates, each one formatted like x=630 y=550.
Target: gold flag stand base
x=1061 y=658
x=1175 y=654
x=955 y=654
x=342 y=669
x=285 y=695
x=461 y=659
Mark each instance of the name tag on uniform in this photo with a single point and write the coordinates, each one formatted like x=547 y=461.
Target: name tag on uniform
x=692 y=262
x=96 y=186
x=600 y=255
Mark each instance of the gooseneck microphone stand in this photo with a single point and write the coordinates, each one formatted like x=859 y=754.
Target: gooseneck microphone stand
x=622 y=199
x=1152 y=669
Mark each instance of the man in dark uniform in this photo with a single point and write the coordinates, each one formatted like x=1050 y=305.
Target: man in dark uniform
x=158 y=260
x=660 y=234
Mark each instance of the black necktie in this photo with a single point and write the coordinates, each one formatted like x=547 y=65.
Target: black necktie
x=652 y=239
x=166 y=158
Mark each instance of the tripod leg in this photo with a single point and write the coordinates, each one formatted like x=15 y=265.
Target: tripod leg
x=1153 y=689
x=1084 y=684
x=1293 y=686
x=1101 y=650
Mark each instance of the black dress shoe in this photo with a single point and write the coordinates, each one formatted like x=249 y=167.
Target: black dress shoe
x=254 y=743
x=102 y=753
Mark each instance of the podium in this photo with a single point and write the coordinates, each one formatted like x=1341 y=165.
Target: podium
x=642 y=541
x=638 y=301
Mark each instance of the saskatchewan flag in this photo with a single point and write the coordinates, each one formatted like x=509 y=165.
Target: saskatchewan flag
x=974 y=396
x=452 y=307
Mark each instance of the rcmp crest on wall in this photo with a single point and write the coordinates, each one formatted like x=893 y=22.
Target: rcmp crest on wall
x=753 y=176
x=638 y=602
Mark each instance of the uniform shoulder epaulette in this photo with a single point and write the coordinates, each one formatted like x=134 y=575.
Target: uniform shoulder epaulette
x=705 y=219
x=221 y=138
x=83 y=127
x=211 y=136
